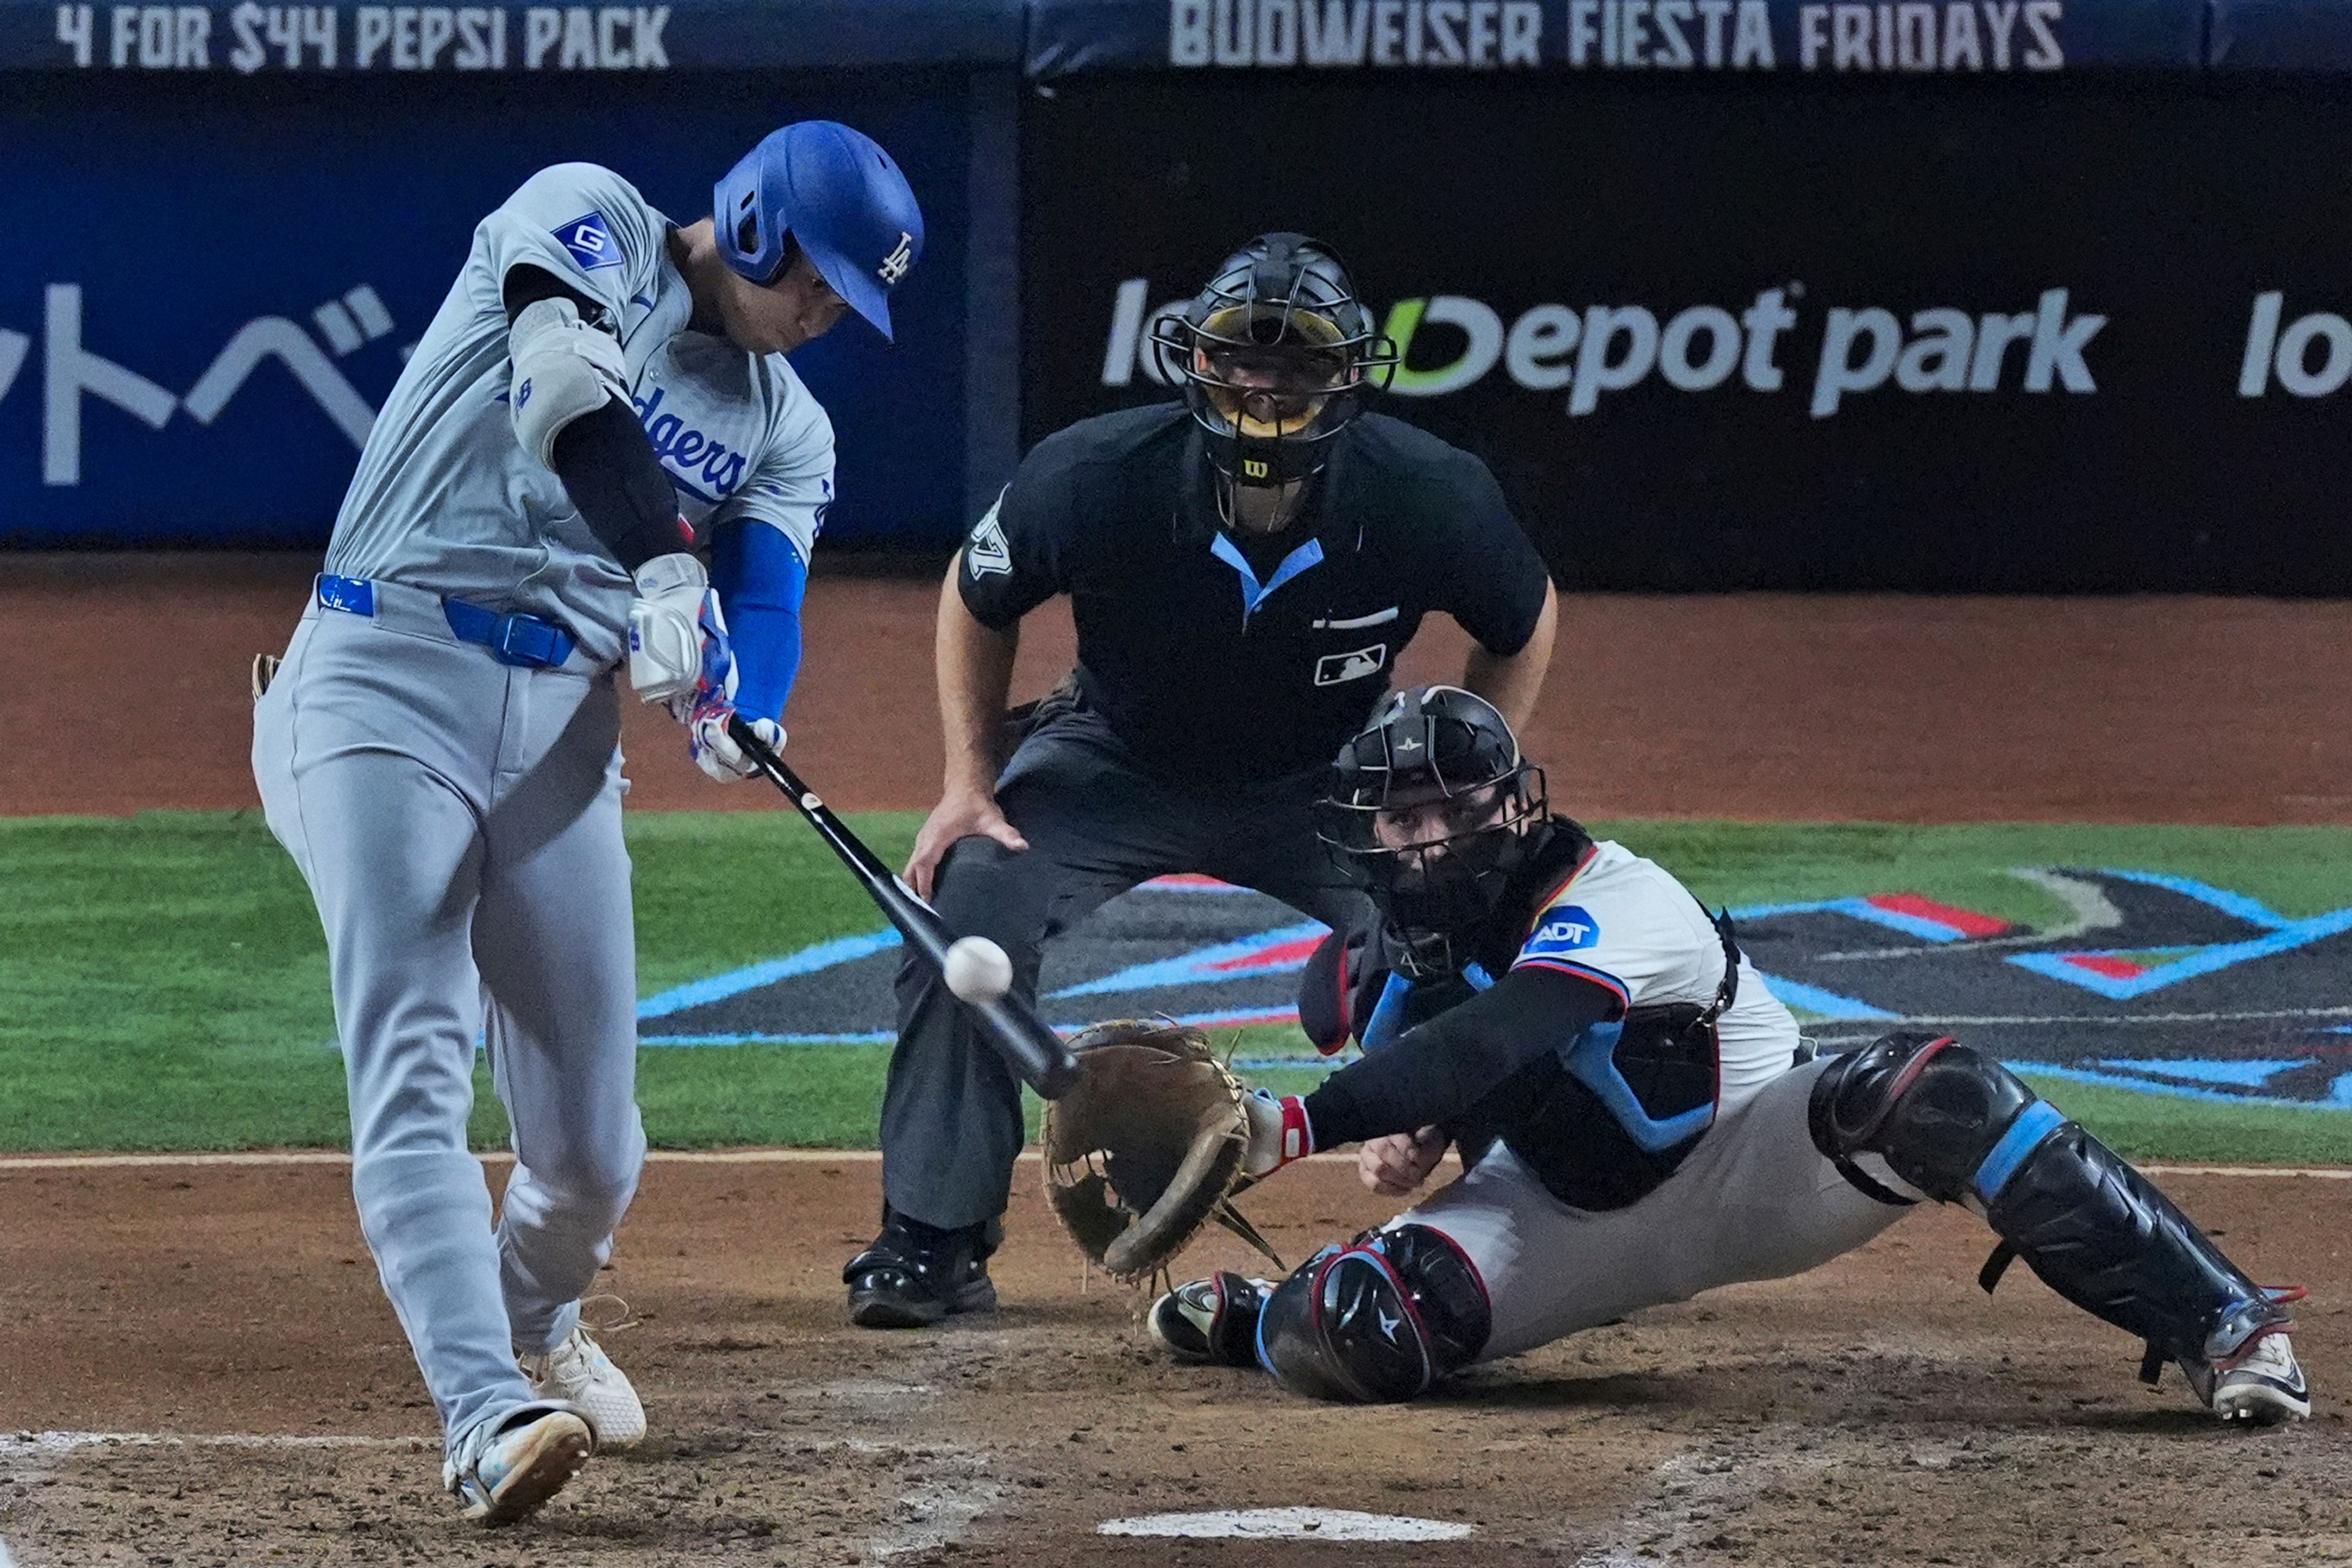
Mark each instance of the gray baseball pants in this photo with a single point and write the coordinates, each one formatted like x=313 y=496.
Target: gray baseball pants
x=459 y=821
x=1755 y=1201
x=1099 y=822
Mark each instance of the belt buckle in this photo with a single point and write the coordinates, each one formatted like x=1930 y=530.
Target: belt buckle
x=507 y=644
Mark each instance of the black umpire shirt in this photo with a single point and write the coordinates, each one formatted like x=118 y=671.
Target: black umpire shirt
x=1216 y=670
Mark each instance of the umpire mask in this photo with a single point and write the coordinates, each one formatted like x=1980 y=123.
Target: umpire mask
x=1273 y=354
x=1436 y=802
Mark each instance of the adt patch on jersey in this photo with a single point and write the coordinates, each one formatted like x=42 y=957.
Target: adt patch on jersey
x=1566 y=929
x=590 y=242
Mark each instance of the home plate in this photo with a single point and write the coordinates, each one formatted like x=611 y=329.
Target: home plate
x=1287 y=1524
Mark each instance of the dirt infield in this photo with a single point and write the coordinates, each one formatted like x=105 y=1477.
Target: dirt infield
x=225 y=1326
x=129 y=690
x=197 y=1365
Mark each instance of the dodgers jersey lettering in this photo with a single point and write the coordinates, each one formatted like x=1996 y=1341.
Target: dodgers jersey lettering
x=1622 y=922
x=447 y=499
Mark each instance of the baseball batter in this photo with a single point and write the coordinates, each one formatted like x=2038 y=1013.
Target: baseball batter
x=601 y=393
x=1638 y=1116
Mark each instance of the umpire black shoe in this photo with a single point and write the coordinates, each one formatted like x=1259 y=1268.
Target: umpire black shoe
x=916 y=1274
x=1212 y=1321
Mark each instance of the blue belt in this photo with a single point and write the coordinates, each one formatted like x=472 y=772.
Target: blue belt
x=530 y=642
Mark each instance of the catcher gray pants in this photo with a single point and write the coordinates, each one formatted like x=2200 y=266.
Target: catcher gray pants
x=1755 y=1201
x=459 y=821
x=1097 y=823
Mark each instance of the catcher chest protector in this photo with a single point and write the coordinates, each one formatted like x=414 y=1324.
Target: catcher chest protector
x=1963 y=1128
x=1376 y=1321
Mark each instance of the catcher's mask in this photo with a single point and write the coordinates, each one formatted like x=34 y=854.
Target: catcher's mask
x=1435 y=801
x=1273 y=354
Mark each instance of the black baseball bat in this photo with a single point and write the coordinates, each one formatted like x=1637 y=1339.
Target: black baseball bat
x=1029 y=1047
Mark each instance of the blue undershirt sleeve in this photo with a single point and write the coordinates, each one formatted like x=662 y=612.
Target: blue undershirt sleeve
x=761 y=580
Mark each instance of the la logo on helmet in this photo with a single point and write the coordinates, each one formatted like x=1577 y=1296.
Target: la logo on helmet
x=893 y=266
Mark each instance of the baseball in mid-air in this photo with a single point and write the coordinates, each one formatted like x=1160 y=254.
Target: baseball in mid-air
x=977 y=969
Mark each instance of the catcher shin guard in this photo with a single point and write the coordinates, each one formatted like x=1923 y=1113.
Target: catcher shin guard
x=1377 y=1321
x=1961 y=1128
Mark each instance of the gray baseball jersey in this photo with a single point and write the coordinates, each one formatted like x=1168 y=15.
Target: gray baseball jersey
x=459 y=819
x=447 y=499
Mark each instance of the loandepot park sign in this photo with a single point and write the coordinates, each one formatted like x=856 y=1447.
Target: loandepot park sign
x=1449 y=343
x=2152 y=982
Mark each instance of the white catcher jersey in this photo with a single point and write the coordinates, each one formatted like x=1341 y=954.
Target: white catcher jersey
x=447 y=499
x=1623 y=922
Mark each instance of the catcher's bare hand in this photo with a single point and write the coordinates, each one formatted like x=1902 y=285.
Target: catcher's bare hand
x=1396 y=1166
x=961 y=814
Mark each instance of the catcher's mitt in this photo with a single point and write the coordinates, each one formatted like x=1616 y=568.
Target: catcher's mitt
x=1147 y=1146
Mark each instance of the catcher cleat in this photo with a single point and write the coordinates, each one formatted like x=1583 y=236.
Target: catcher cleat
x=1212 y=1321
x=509 y=1465
x=916 y=1274
x=579 y=1374
x=2261 y=1383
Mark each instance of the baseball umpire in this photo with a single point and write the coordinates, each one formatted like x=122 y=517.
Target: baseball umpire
x=1638 y=1118
x=1244 y=567
x=601 y=393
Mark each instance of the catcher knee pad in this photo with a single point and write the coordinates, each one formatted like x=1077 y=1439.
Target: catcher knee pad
x=1929 y=1107
x=1961 y=1128
x=1376 y=1321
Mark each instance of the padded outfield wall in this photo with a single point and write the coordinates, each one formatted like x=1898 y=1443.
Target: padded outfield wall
x=230 y=222
x=1757 y=293
x=1969 y=294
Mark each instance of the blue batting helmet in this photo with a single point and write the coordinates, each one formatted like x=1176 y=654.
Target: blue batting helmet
x=834 y=193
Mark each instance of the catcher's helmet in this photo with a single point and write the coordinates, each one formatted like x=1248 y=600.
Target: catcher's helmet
x=834 y=194
x=1273 y=354
x=1436 y=804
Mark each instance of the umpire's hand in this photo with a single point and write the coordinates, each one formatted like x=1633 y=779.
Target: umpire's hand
x=961 y=814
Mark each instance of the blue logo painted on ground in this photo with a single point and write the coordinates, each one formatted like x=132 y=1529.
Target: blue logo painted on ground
x=590 y=242
x=2152 y=982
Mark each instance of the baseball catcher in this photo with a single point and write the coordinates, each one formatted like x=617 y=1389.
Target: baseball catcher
x=1637 y=1116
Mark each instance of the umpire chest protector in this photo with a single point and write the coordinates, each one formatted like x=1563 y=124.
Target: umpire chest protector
x=1219 y=661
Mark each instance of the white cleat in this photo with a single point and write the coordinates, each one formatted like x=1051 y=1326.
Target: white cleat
x=2261 y=1383
x=580 y=1374
x=509 y=1465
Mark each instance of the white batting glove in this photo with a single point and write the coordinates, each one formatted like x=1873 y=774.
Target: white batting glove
x=671 y=623
x=1279 y=1131
x=714 y=750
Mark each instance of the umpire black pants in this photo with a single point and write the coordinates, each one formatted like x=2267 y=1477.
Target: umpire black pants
x=1097 y=823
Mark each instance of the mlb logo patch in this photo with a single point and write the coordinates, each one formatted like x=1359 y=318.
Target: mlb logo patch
x=1565 y=928
x=1333 y=669
x=590 y=242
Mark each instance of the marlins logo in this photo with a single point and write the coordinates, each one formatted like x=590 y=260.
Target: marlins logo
x=893 y=266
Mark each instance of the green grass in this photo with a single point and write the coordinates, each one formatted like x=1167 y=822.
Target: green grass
x=162 y=981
